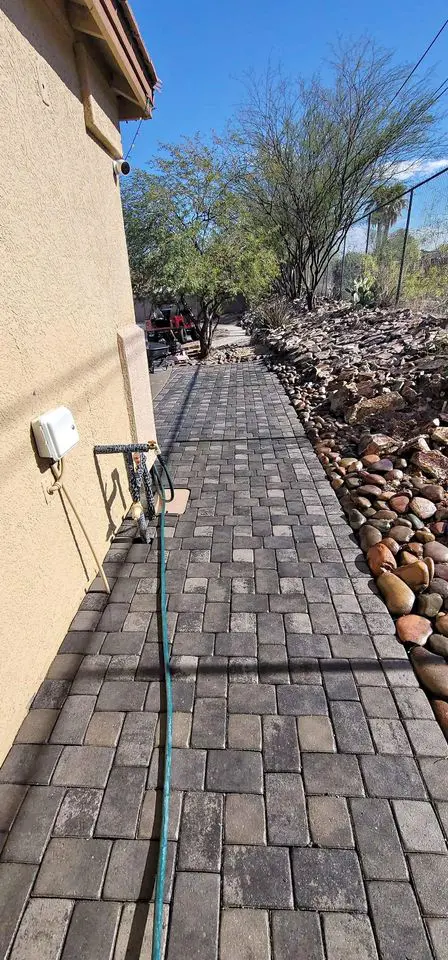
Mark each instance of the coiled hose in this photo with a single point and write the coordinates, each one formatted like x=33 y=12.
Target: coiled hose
x=157 y=936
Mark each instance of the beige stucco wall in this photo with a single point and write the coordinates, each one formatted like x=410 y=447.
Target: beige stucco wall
x=64 y=293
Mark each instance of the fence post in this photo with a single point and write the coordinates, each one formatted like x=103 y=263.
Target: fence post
x=403 y=254
x=368 y=234
x=342 y=267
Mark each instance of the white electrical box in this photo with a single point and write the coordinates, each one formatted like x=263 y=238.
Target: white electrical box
x=55 y=433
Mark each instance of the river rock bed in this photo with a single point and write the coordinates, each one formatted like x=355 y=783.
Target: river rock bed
x=371 y=388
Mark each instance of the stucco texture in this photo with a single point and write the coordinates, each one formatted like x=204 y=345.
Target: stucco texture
x=65 y=291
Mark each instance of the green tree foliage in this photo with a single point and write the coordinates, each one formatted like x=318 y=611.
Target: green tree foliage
x=189 y=234
x=312 y=156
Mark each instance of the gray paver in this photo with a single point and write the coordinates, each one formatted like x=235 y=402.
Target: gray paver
x=285 y=809
x=430 y=875
x=397 y=921
x=439 y=937
x=234 y=771
x=209 y=723
x=151 y=815
x=394 y=777
x=377 y=840
x=257 y=877
x=92 y=931
x=30 y=833
x=201 y=832
x=418 y=826
x=121 y=804
x=16 y=880
x=194 y=933
x=132 y=869
x=83 y=767
x=244 y=731
x=136 y=739
x=327 y=880
x=336 y=774
x=244 y=941
x=296 y=933
x=11 y=796
x=78 y=813
x=30 y=763
x=42 y=931
x=73 y=868
x=245 y=819
x=350 y=727
x=280 y=744
x=349 y=937
x=330 y=822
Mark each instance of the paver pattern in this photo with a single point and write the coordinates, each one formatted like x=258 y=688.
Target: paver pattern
x=309 y=811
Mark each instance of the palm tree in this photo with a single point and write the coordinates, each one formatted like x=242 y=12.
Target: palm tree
x=384 y=218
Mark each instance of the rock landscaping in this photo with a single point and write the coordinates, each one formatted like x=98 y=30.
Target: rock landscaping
x=371 y=387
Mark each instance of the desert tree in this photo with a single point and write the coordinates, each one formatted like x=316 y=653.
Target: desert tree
x=189 y=232
x=312 y=155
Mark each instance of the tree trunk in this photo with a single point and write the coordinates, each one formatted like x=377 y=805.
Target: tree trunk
x=205 y=328
x=310 y=299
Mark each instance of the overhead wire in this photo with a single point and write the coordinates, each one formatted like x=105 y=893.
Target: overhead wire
x=416 y=66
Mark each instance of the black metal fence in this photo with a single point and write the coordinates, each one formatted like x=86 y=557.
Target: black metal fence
x=399 y=250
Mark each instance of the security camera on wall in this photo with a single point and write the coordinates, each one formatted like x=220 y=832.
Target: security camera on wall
x=122 y=167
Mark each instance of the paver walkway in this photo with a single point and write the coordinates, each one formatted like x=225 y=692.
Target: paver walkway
x=310 y=784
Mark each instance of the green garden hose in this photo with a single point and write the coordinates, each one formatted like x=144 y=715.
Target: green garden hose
x=157 y=937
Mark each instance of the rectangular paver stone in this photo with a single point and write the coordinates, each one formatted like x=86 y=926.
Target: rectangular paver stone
x=30 y=833
x=244 y=941
x=122 y=695
x=16 y=880
x=392 y=777
x=78 y=813
x=397 y=921
x=334 y=774
x=430 y=876
x=257 y=877
x=418 y=826
x=201 y=832
x=350 y=727
x=73 y=720
x=30 y=763
x=83 y=767
x=280 y=744
x=302 y=700
x=377 y=840
x=194 y=933
x=244 y=731
x=259 y=699
x=73 y=868
x=245 y=819
x=209 y=723
x=328 y=880
x=234 y=771
x=136 y=740
x=132 y=870
x=295 y=933
x=330 y=822
x=42 y=931
x=92 y=931
x=285 y=809
x=349 y=937
x=121 y=804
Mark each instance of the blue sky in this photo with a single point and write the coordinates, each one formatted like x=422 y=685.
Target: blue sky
x=202 y=48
